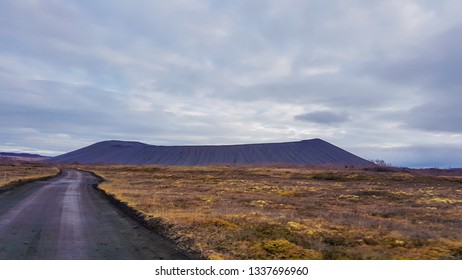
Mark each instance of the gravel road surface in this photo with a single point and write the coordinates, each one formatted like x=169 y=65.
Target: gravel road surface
x=66 y=218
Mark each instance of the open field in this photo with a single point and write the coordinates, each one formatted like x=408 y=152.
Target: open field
x=16 y=172
x=293 y=213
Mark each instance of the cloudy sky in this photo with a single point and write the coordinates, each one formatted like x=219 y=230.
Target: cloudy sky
x=382 y=79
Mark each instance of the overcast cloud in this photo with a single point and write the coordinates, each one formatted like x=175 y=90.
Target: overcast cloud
x=381 y=79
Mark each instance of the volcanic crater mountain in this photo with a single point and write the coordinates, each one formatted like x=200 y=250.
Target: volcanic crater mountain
x=314 y=151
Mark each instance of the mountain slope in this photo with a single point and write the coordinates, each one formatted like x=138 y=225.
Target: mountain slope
x=21 y=156
x=315 y=151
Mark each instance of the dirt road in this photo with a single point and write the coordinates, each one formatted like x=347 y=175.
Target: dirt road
x=65 y=218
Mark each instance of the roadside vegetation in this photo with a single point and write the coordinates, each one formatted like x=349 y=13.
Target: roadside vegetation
x=18 y=172
x=293 y=213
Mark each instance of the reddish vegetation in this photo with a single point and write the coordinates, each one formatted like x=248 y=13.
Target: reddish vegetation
x=297 y=213
x=13 y=172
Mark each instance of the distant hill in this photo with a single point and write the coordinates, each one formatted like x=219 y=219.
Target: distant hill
x=22 y=156
x=315 y=151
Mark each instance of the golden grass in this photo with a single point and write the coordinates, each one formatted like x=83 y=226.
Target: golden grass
x=283 y=213
x=18 y=172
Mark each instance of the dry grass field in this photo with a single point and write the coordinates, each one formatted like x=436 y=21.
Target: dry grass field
x=293 y=213
x=14 y=172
